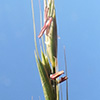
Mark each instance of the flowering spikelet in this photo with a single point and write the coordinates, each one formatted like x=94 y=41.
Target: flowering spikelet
x=47 y=63
x=51 y=34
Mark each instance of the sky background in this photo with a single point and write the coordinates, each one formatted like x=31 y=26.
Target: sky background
x=78 y=24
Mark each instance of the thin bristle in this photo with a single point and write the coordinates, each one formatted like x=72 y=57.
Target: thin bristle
x=61 y=92
x=48 y=64
x=66 y=74
x=34 y=29
x=39 y=98
x=32 y=98
x=41 y=25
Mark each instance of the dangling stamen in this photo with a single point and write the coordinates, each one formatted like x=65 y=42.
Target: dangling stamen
x=54 y=76
x=46 y=25
x=63 y=79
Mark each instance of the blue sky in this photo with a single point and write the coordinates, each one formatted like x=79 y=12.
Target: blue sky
x=78 y=24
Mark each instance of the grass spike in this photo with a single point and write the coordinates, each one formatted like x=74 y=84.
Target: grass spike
x=48 y=66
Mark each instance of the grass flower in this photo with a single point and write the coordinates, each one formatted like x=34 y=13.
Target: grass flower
x=47 y=63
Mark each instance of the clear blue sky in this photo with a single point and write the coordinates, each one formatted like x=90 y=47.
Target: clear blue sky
x=79 y=29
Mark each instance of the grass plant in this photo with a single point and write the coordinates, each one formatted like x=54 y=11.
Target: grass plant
x=47 y=63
